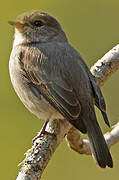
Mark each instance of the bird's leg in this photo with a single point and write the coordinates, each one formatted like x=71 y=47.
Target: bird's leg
x=42 y=132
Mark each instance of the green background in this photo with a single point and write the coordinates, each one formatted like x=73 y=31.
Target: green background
x=92 y=27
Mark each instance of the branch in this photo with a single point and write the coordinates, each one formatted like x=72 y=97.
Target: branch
x=106 y=66
x=82 y=146
x=43 y=148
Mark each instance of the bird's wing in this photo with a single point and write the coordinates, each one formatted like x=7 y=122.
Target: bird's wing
x=52 y=84
x=99 y=99
x=97 y=94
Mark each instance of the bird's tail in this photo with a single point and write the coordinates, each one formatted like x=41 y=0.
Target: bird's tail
x=98 y=144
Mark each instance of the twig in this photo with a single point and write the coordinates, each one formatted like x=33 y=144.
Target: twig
x=43 y=148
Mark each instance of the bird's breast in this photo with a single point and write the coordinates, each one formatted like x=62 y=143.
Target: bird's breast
x=28 y=94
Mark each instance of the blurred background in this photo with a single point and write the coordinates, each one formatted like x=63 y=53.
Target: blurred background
x=92 y=27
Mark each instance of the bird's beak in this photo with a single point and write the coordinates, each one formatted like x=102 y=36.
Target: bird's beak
x=18 y=25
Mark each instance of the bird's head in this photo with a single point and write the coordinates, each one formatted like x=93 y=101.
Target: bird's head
x=37 y=26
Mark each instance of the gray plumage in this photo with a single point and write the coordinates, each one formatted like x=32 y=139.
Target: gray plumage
x=53 y=81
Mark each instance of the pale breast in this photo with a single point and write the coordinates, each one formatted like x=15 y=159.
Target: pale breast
x=37 y=105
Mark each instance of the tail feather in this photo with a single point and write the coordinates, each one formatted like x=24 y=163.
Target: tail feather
x=98 y=144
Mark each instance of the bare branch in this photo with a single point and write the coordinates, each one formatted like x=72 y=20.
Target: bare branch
x=106 y=66
x=43 y=148
x=77 y=143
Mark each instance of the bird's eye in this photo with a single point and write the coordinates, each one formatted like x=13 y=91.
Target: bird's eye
x=38 y=23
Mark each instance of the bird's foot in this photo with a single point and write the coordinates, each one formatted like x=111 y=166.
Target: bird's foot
x=42 y=132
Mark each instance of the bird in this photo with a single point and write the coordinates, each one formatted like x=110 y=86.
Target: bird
x=53 y=81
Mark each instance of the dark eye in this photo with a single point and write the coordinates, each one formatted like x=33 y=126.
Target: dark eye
x=38 y=23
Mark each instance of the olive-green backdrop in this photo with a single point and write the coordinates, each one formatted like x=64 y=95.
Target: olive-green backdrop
x=92 y=26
